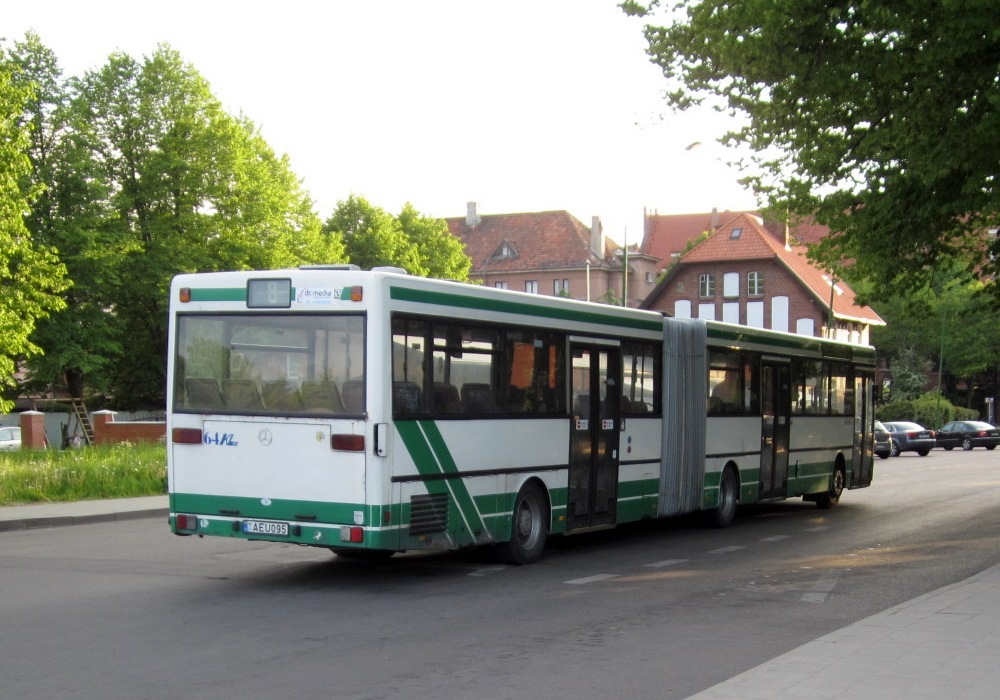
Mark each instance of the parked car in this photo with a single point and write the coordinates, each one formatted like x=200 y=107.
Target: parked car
x=883 y=446
x=968 y=434
x=905 y=436
x=10 y=439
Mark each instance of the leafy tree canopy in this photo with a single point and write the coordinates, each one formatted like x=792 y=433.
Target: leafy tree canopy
x=876 y=117
x=420 y=245
x=31 y=276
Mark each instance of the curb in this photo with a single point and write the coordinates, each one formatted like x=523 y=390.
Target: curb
x=65 y=520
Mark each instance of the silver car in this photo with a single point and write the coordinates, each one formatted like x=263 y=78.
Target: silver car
x=10 y=439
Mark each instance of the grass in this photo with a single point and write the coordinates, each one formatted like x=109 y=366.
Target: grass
x=107 y=471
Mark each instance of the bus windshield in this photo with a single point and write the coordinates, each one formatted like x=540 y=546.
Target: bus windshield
x=270 y=365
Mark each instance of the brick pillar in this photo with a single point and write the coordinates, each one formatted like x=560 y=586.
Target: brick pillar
x=101 y=419
x=33 y=431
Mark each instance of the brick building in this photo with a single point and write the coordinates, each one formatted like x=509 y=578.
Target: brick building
x=743 y=273
x=552 y=253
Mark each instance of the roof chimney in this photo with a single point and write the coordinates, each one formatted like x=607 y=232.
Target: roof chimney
x=471 y=214
x=597 y=236
x=715 y=218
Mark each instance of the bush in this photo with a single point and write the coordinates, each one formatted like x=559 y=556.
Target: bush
x=929 y=410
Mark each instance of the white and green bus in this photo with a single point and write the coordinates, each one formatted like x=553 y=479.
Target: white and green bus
x=372 y=412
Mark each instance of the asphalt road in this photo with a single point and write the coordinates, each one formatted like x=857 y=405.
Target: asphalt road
x=662 y=609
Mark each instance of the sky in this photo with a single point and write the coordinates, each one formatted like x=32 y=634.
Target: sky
x=517 y=105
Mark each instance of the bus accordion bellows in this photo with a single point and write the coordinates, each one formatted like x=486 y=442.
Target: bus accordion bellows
x=372 y=412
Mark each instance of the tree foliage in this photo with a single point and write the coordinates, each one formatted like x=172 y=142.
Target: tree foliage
x=144 y=175
x=876 y=117
x=31 y=275
x=420 y=245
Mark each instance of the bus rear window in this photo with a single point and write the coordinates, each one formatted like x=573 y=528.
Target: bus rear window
x=270 y=365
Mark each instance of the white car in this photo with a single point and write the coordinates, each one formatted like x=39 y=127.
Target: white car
x=10 y=439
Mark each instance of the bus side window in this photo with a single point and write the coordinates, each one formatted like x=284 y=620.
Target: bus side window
x=407 y=399
x=478 y=398
x=446 y=399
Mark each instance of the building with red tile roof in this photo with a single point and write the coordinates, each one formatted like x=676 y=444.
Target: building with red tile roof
x=552 y=253
x=742 y=273
x=666 y=236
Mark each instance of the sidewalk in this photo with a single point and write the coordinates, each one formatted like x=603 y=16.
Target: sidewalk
x=944 y=644
x=79 y=512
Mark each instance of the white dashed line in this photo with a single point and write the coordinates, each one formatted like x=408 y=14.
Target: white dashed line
x=727 y=550
x=590 y=579
x=665 y=562
x=776 y=538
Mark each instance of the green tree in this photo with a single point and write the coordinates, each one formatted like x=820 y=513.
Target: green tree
x=442 y=254
x=879 y=118
x=190 y=188
x=31 y=276
x=81 y=340
x=419 y=244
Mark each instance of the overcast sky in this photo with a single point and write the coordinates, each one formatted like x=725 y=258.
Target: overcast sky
x=519 y=105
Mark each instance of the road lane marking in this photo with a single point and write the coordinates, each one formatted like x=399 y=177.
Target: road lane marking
x=822 y=588
x=665 y=562
x=590 y=579
x=727 y=550
x=776 y=538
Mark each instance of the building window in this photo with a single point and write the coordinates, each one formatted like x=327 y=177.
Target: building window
x=755 y=284
x=731 y=285
x=531 y=286
x=706 y=285
x=560 y=288
x=500 y=285
x=736 y=233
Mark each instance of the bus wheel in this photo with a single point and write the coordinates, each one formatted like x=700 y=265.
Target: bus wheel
x=728 y=497
x=528 y=528
x=832 y=497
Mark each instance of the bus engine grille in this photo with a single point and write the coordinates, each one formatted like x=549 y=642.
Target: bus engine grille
x=428 y=514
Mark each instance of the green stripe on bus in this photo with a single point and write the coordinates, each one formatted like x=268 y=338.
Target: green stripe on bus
x=219 y=294
x=522 y=308
x=431 y=456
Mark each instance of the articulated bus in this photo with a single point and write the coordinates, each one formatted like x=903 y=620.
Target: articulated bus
x=373 y=412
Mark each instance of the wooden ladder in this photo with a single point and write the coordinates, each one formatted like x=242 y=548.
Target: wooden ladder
x=81 y=416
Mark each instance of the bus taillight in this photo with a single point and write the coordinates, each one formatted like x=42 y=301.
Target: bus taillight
x=357 y=292
x=348 y=443
x=352 y=534
x=186 y=522
x=186 y=436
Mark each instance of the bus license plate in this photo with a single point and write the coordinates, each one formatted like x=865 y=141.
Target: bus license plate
x=265 y=527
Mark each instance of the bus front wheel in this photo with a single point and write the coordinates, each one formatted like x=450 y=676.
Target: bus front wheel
x=528 y=527
x=832 y=497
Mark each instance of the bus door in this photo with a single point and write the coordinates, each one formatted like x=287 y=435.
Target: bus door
x=596 y=420
x=864 y=430
x=776 y=408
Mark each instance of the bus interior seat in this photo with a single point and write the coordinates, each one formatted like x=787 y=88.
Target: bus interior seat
x=407 y=399
x=282 y=394
x=203 y=392
x=324 y=396
x=581 y=405
x=478 y=398
x=353 y=392
x=446 y=399
x=242 y=393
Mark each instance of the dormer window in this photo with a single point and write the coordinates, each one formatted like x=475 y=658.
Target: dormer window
x=505 y=252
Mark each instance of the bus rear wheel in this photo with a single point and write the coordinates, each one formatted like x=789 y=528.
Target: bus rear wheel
x=528 y=527
x=832 y=497
x=729 y=496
